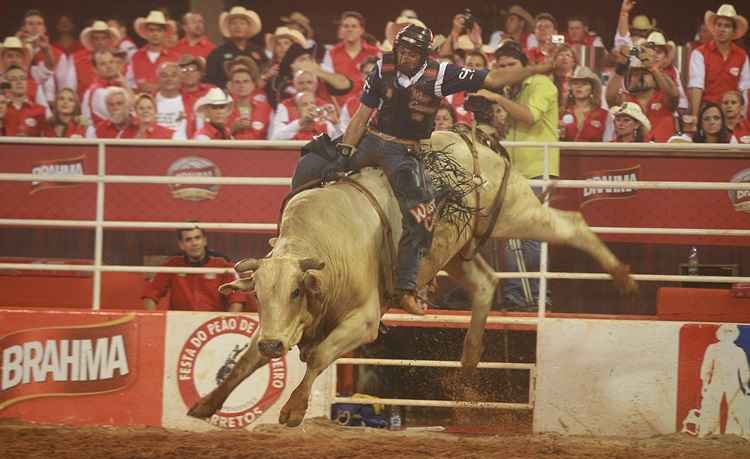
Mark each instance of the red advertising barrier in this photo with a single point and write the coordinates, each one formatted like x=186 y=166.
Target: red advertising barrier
x=260 y=204
x=96 y=368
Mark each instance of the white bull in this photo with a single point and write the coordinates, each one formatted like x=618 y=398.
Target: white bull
x=322 y=287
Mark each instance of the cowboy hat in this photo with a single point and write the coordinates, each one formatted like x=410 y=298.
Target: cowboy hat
x=189 y=59
x=246 y=63
x=240 y=12
x=292 y=34
x=214 y=96
x=634 y=111
x=642 y=22
x=519 y=11
x=658 y=39
x=154 y=17
x=584 y=73
x=98 y=26
x=16 y=44
x=727 y=11
x=297 y=18
x=465 y=43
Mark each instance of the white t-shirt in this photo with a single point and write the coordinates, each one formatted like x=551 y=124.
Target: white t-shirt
x=170 y=113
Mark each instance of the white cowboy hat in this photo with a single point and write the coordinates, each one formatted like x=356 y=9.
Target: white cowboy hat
x=15 y=43
x=658 y=39
x=292 y=34
x=727 y=11
x=154 y=17
x=214 y=96
x=642 y=22
x=238 y=11
x=584 y=73
x=98 y=26
x=634 y=111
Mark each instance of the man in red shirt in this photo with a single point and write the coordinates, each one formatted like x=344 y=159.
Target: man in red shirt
x=346 y=57
x=48 y=63
x=81 y=72
x=144 y=63
x=14 y=53
x=119 y=124
x=108 y=73
x=23 y=118
x=194 y=292
x=720 y=65
x=578 y=34
x=195 y=41
x=251 y=114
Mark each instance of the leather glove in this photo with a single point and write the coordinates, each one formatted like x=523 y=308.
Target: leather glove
x=331 y=170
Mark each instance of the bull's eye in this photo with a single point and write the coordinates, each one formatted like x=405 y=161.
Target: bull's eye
x=295 y=293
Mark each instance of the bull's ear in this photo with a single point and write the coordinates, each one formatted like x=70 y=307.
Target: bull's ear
x=310 y=263
x=311 y=283
x=247 y=266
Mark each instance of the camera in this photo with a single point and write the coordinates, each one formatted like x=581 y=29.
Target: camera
x=477 y=104
x=469 y=20
x=558 y=39
x=635 y=51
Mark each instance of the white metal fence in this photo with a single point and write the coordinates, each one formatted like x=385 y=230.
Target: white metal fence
x=99 y=224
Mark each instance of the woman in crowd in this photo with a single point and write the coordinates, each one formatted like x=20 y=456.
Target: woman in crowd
x=631 y=124
x=566 y=62
x=583 y=118
x=712 y=126
x=145 y=114
x=66 y=116
x=215 y=108
x=733 y=107
x=445 y=117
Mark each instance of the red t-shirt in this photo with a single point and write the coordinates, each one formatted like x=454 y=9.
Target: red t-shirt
x=24 y=121
x=210 y=131
x=202 y=48
x=144 y=71
x=658 y=114
x=260 y=117
x=106 y=130
x=742 y=132
x=72 y=130
x=349 y=67
x=194 y=292
x=155 y=131
x=592 y=129
x=85 y=73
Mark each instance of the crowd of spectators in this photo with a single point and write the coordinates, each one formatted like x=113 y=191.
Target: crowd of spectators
x=180 y=85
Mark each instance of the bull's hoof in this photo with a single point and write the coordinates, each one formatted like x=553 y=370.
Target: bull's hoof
x=202 y=410
x=623 y=281
x=471 y=355
x=291 y=418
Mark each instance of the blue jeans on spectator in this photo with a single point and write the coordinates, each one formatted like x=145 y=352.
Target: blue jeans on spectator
x=513 y=288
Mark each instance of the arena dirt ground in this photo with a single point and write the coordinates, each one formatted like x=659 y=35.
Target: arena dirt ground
x=319 y=438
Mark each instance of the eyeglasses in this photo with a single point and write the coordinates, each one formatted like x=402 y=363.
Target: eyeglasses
x=712 y=118
x=18 y=78
x=188 y=69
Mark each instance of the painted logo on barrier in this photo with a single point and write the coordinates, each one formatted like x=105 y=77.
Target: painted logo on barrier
x=713 y=388
x=740 y=199
x=614 y=175
x=60 y=167
x=207 y=358
x=194 y=166
x=68 y=361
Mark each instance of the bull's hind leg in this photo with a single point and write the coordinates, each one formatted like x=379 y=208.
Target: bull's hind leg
x=250 y=361
x=359 y=328
x=526 y=218
x=476 y=277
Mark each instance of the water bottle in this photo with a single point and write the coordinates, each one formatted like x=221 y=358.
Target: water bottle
x=395 y=423
x=692 y=263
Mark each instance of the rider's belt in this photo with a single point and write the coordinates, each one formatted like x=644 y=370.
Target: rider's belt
x=414 y=146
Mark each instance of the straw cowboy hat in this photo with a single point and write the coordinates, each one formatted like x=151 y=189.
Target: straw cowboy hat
x=519 y=11
x=214 y=96
x=584 y=73
x=657 y=39
x=240 y=12
x=98 y=26
x=292 y=34
x=297 y=18
x=154 y=17
x=15 y=43
x=727 y=11
x=634 y=111
x=189 y=59
x=642 y=22
x=244 y=62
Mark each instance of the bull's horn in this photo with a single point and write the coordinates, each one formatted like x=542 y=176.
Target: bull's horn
x=240 y=285
x=272 y=242
x=310 y=263
x=248 y=264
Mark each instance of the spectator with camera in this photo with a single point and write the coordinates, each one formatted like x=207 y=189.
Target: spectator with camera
x=519 y=27
x=108 y=73
x=545 y=30
x=639 y=79
x=23 y=118
x=195 y=42
x=48 y=64
x=627 y=33
x=81 y=74
x=663 y=54
x=630 y=123
x=286 y=111
x=194 y=292
x=313 y=120
x=465 y=35
x=119 y=123
x=145 y=64
x=720 y=65
x=251 y=114
x=578 y=34
x=583 y=118
x=214 y=109
x=13 y=53
x=66 y=120
x=347 y=55
x=238 y=26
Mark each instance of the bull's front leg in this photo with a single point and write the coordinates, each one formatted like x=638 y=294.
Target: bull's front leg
x=250 y=361
x=476 y=277
x=359 y=328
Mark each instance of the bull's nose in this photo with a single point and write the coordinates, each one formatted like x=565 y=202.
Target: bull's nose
x=271 y=348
